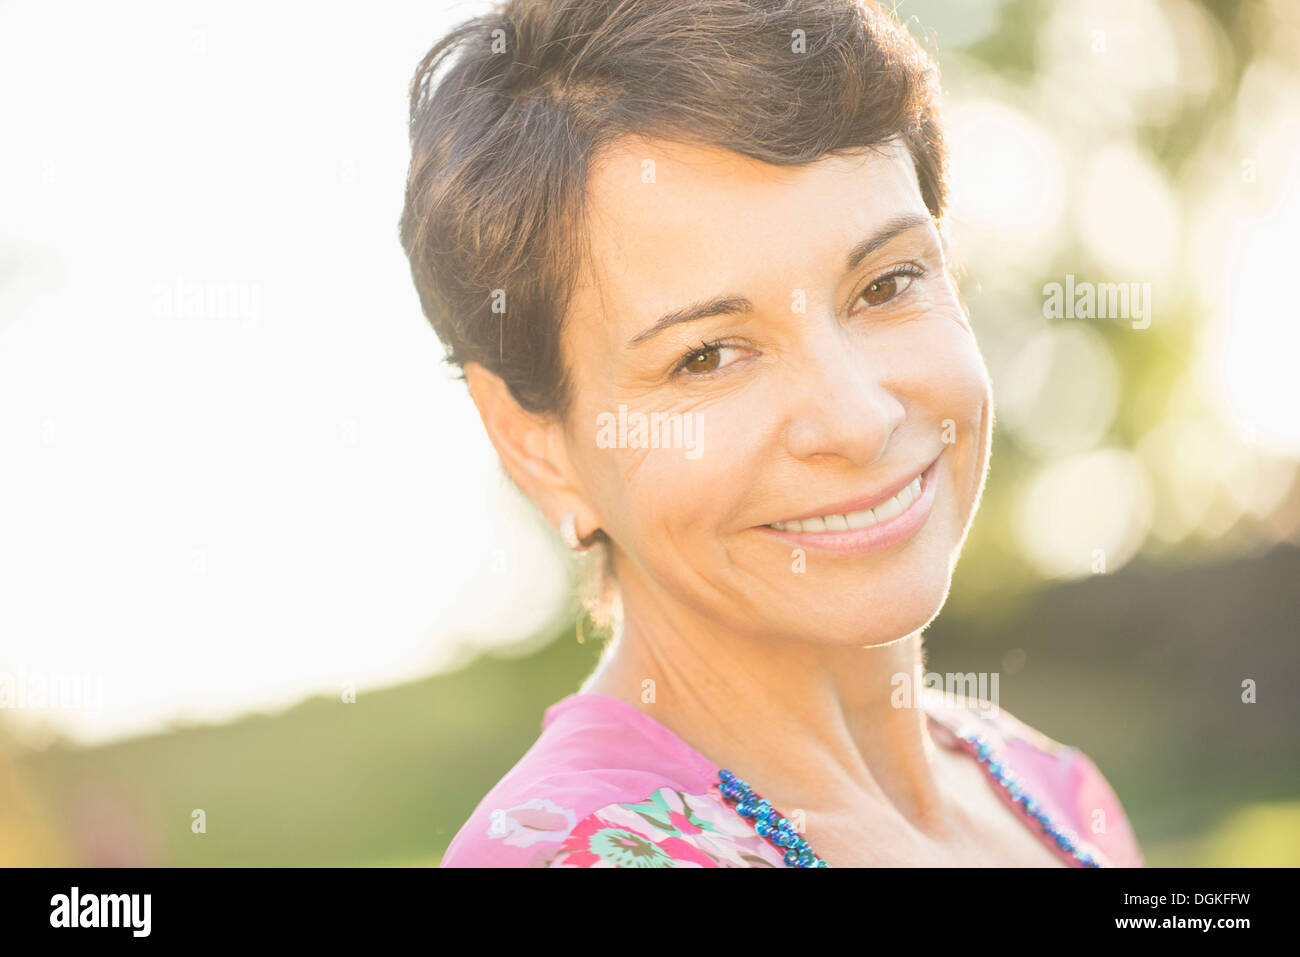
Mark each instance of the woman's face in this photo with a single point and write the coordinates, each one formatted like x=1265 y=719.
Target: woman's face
x=797 y=335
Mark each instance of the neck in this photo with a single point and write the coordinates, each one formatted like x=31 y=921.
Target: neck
x=808 y=725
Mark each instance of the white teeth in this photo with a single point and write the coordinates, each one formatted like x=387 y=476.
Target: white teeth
x=861 y=519
x=908 y=495
x=855 y=520
x=889 y=509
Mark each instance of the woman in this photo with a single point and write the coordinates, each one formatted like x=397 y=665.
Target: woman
x=690 y=258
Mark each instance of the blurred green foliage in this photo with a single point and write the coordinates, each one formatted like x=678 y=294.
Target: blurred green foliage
x=1141 y=670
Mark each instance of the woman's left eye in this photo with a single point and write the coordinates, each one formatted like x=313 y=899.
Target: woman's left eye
x=704 y=360
x=884 y=288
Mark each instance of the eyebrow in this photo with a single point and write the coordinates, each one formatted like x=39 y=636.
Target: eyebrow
x=739 y=305
x=899 y=224
x=717 y=306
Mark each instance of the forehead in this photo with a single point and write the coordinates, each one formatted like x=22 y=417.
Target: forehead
x=668 y=221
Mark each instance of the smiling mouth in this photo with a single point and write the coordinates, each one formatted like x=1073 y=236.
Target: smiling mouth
x=853 y=520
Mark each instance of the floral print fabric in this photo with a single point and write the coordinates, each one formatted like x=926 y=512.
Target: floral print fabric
x=668 y=829
x=606 y=785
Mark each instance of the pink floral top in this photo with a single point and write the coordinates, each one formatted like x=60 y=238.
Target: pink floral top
x=605 y=785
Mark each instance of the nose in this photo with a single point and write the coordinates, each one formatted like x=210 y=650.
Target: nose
x=839 y=402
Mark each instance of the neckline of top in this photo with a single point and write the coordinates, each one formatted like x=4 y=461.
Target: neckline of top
x=940 y=716
x=660 y=732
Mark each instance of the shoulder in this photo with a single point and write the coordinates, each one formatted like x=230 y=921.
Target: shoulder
x=606 y=786
x=1060 y=776
x=595 y=819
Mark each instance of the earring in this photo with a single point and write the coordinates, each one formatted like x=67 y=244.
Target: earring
x=569 y=531
x=598 y=591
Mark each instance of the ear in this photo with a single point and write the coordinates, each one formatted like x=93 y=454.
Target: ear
x=532 y=450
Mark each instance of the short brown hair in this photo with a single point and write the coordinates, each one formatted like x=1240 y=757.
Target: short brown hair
x=501 y=146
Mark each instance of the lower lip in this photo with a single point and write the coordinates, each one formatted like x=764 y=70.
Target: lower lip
x=874 y=538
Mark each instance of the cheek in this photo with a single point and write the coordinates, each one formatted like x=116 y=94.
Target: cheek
x=969 y=388
x=656 y=470
x=960 y=398
x=951 y=380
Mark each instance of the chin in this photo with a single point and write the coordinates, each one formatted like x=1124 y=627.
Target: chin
x=874 y=613
x=900 y=596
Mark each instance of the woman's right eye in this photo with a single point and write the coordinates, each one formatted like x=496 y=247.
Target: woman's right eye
x=706 y=359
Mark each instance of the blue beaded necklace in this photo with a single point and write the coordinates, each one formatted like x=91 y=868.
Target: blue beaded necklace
x=780 y=832
x=768 y=821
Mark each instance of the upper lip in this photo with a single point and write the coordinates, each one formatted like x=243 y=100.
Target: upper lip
x=869 y=501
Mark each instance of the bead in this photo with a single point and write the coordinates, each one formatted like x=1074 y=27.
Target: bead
x=779 y=831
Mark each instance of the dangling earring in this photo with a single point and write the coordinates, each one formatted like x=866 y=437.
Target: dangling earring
x=569 y=531
x=598 y=592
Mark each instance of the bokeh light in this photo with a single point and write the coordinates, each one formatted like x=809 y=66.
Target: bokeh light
x=1061 y=392
x=1086 y=514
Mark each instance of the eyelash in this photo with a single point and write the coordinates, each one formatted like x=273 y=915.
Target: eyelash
x=704 y=348
x=906 y=269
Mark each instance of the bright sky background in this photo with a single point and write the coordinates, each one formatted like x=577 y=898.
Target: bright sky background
x=234 y=471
